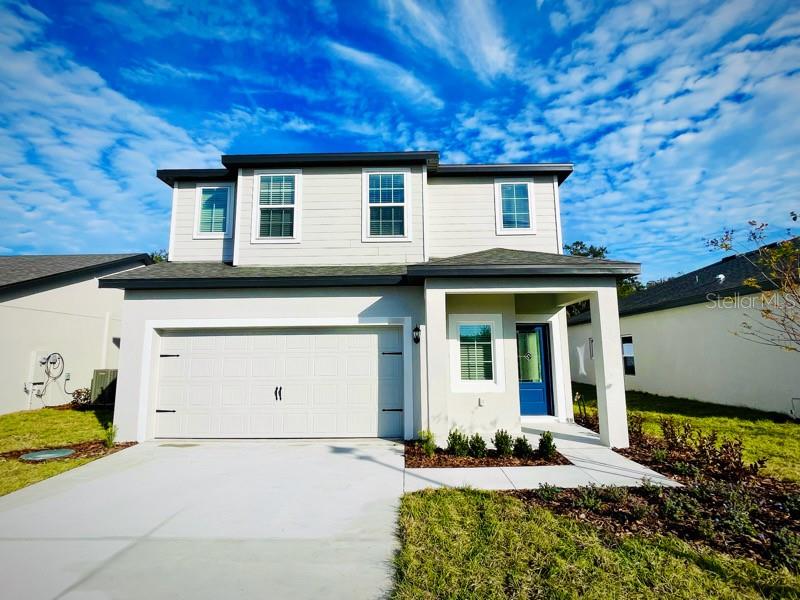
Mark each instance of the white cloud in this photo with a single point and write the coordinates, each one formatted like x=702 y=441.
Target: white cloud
x=464 y=33
x=389 y=75
x=681 y=119
x=156 y=73
x=78 y=159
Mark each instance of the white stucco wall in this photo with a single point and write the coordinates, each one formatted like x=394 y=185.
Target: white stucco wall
x=134 y=403
x=692 y=352
x=77 y=319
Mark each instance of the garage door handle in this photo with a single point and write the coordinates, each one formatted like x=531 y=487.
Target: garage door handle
x=276 y=393
x=392 y=409
x=280 y=394
x=164 y=410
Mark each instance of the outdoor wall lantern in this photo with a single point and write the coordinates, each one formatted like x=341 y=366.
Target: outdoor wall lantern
x=415 y=334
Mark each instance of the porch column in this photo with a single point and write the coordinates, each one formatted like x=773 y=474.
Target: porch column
x=438 y=362
x=609 y=375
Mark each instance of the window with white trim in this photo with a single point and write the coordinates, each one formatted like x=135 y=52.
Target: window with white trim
x=213 y=211
x=514 y=204
x=386 y=205
x=476 y=353
x=276 y=206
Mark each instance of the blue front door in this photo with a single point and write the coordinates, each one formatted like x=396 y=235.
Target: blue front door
x=533 y=360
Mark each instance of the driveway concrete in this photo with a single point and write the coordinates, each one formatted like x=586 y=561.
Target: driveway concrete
x=221 y=520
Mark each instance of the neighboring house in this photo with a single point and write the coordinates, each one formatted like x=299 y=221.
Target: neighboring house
x=52 y=304
x=364 y=294
x=678 y=339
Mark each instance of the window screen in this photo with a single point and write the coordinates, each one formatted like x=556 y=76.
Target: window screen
x=386 y=200
x=516 y=206
x=276 y=201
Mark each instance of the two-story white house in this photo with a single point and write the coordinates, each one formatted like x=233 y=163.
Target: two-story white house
x=362 y=295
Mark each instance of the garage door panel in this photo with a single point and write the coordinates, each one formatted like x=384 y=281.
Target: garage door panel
x=335 y=383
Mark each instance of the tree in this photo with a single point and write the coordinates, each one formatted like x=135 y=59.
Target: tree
x=625 y=286
x=158 y=256
x=777 y=280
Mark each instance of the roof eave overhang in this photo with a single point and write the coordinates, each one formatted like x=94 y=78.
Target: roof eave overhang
x=622 y=270
x=346 y=159
x=561 y=171
x=171 y=176
x=173 y=283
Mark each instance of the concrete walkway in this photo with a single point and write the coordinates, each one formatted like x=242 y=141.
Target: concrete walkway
x=217 y=520
x=592 y=463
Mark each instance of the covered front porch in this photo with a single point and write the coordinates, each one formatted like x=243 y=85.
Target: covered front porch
x=498 y=355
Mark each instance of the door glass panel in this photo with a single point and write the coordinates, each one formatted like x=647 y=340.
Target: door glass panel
x=529 y=355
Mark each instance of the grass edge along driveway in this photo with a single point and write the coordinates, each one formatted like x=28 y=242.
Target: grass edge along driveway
x=45 y=428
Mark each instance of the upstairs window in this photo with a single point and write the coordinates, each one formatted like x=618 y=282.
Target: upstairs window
x=628 y=361
x=276 y=207
x=387 y=205
x=213 y=212
x=514 y=207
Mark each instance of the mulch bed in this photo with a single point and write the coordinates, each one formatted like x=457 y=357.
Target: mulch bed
x=725 y=504
x=93 y=449
x=417 y=459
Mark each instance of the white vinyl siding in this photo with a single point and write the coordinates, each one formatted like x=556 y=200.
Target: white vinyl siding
x=462 y=217
x=330 y=207
x=185 y=243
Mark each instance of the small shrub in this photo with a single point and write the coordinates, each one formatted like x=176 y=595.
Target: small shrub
x=547 y=448
x=683 y=468
x=457 y=443
x=427 y=442
x=110 y=435
x=706 y=528
x=547 y=492
x=784 y=551
x=503 y=442
x=477 y=446
x=614 y=493
x=81 y=396
x=659 y=455
x=681 y=507
x=588 y=498
x=522 y=447
x=650 y=489
x=792 y=505
x=639 y=508
x=635 y=428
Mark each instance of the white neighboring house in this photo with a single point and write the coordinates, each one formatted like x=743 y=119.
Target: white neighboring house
x=361 y=295
x=53 y=304
x=678 y=340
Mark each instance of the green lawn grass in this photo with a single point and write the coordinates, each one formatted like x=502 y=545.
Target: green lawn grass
x=473 y=544
x=765 y=435
x=45 y=428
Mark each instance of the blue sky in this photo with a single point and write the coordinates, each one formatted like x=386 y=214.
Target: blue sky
x=681 y=117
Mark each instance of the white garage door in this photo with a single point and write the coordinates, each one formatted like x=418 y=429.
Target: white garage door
x=282 y=383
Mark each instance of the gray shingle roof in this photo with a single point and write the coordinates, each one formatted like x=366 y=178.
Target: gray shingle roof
x=486 y=263
x=691 y=288
x=18 y=271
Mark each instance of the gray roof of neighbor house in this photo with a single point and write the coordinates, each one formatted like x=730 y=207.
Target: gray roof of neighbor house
x=17 y=272
x=234 y=162
x=692 y=288
x=495 y=262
